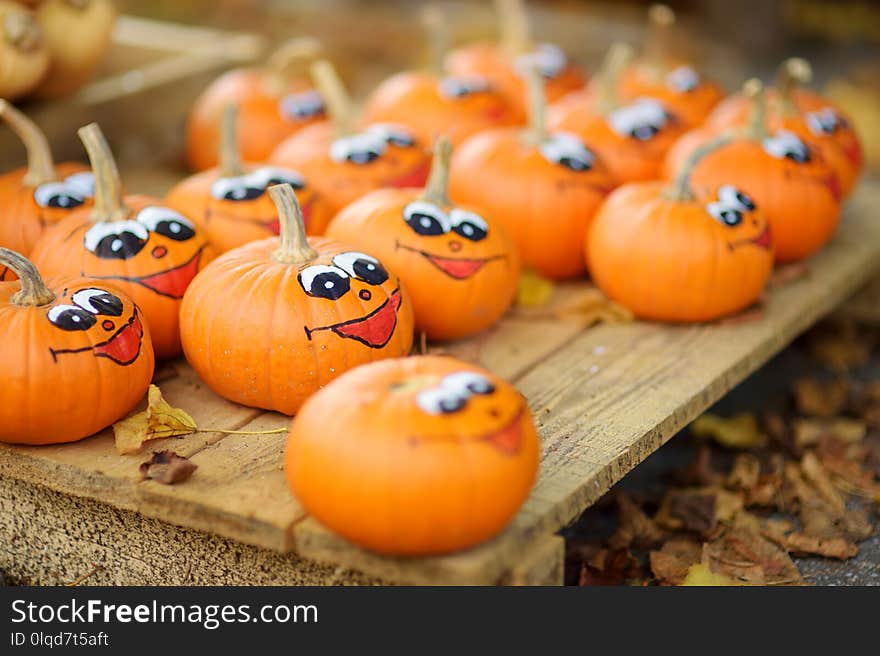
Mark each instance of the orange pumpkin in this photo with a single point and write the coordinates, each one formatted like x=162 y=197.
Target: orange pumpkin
x=543 y=187
x=432 y=102
x=461 y=269
x=413 y=456
x=76 y=356
x=631 y=138
x=671 y=80
x=343 y=164
x=230 y=204
x=41 y=194
x=670 y=252
x=506 y=63
x=273 y=104
x=788 y=179
x=24 y=54
x=270 y=322
x=807 y=114
x=145 y=249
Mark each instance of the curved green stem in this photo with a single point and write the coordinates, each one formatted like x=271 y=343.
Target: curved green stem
x=230 y=160
x=756 y=128
x=436 y=191
x=607 y=78
x=793 y=73
x=295 y=248
x=680 y=189
x=109 y=202
x=537 y=106
x=338 y=102
x=40 y=167
x=33 y=290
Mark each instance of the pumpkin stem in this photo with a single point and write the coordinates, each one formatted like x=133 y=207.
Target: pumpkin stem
x=514 y=23
x=537 y=106
x=230 y=161
x=437 y=31
x=295 y=248
x=33 y=290
x=290 y=52
x=793 y=73
x=436 y=191
x=606 y=80
x=756 y=128
x=40 y=166
x=109 y=203
x=335 y=96
x=661 y=20
x=680 y=189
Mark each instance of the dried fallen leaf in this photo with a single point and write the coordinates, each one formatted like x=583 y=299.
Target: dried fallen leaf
x=741 y=553
x=815 y=473
x=160 y=419
x=839 y=346
x=533 y=290
x=167 y=467
x=797 y=542
x=697 y=509
x=671 y=564
x=808 y=432
x=737 y=432
x=636 y=528
x=699 y=472
x=610 y=567
x=701 y=575
x=828 y=399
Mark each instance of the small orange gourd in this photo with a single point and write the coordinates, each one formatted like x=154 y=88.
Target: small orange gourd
x=669 y=79
x=269 y=323
x=273 y=104
x=507 y=63
x=133 y=242
x=679 y=253
x=413 y=456
x=544 y=187
x=343 y=163
x=40 y=194
x=459 y=267
x=433 y=102
x=76 y=356
x=630 y=137
x=788 y=179
x=24 y=55
x=229 y=202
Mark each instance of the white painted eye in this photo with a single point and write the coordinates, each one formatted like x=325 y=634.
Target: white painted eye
x=468 y=224
x=358 y=148
x=548 y=59
x=426 y=219
x=394 y=134
x=324 y=281
x=361 y=266
x=83 y=183
x=569 y=151
x=730 y=195
x=440 y=401
x=116 y=240
x=266 y=176
x=466 y=383
x=98 y=301
x=640 y=120
x=236 y=189
x=683 y=79
x=58 y=194
x=71 y=317
x=787 y=145
x=301 y=106
x=463 y=86
x=725 y=214
x=824 y=122
x=166 y=222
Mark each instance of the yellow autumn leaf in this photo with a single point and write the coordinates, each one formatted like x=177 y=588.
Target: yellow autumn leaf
x=160 y=419
x=700 y=575
x=737 y=432
x=533 y=290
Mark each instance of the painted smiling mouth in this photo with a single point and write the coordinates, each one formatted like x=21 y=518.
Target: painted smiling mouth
x=373 y=330
x=123 y=347
x=459 y=268
x=764 y=240
x=509 y=439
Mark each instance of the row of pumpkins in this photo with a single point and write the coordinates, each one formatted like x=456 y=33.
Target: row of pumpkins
x=675 y=200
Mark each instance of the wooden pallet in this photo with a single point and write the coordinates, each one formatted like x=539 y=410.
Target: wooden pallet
x=603 y=398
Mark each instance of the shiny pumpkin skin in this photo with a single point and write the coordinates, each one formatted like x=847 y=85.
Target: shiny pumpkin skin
x=460 y=283
x=367 y=460
x=60 y=385
x=672 y=260
x=339 y=183
x=155 y=276
x=261 y=124
x=545 y=207
x=256 y=337
x=420 y=102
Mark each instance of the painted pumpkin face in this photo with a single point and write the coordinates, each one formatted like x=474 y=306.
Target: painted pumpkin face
x=345 y=168
x=466 y=436
x=455 y=106
x=61 y=357
x=687 y=94
x=332 y=309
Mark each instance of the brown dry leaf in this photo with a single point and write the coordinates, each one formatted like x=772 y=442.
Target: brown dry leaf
x=737 y=432
x=592 y=307
x=699 y=471
x=635 y=528
x=850 y=466
x=159 y=420
x=745 y=473
x=697 y=509
x=808 y=432
x=840 y=346
x=610 y=567
x=671 y=564
x=815 y=473
x=701 y=575
x=813 y=397
x=167 y=467
x=788 y=273
x=741 y=553
x=796 y=542
x=533 y=290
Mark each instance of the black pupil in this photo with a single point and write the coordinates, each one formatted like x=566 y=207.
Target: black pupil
x=296 y=184
x=452 y=404
x=370 y=272
x=425 y=224
x=120 y=247
x=644 y=132
x=329 y=285
x=575 y=163
x=745 y=201
x=175 y=230
x=74 y=319
x=481 y=388
x=243 y=193
x=362 y=156
x=470 y=231
x=401 y=141
x=107 y=304
x=731 y=217
x=64 y=201
x=798 y=155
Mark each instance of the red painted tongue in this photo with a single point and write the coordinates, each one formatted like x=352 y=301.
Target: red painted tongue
x=376 y=329
x=854 y=152
x=455 y=267
x=508 y=440
x=173 y=282
x=833 y=185
x=765 y=240
x=123 y=348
